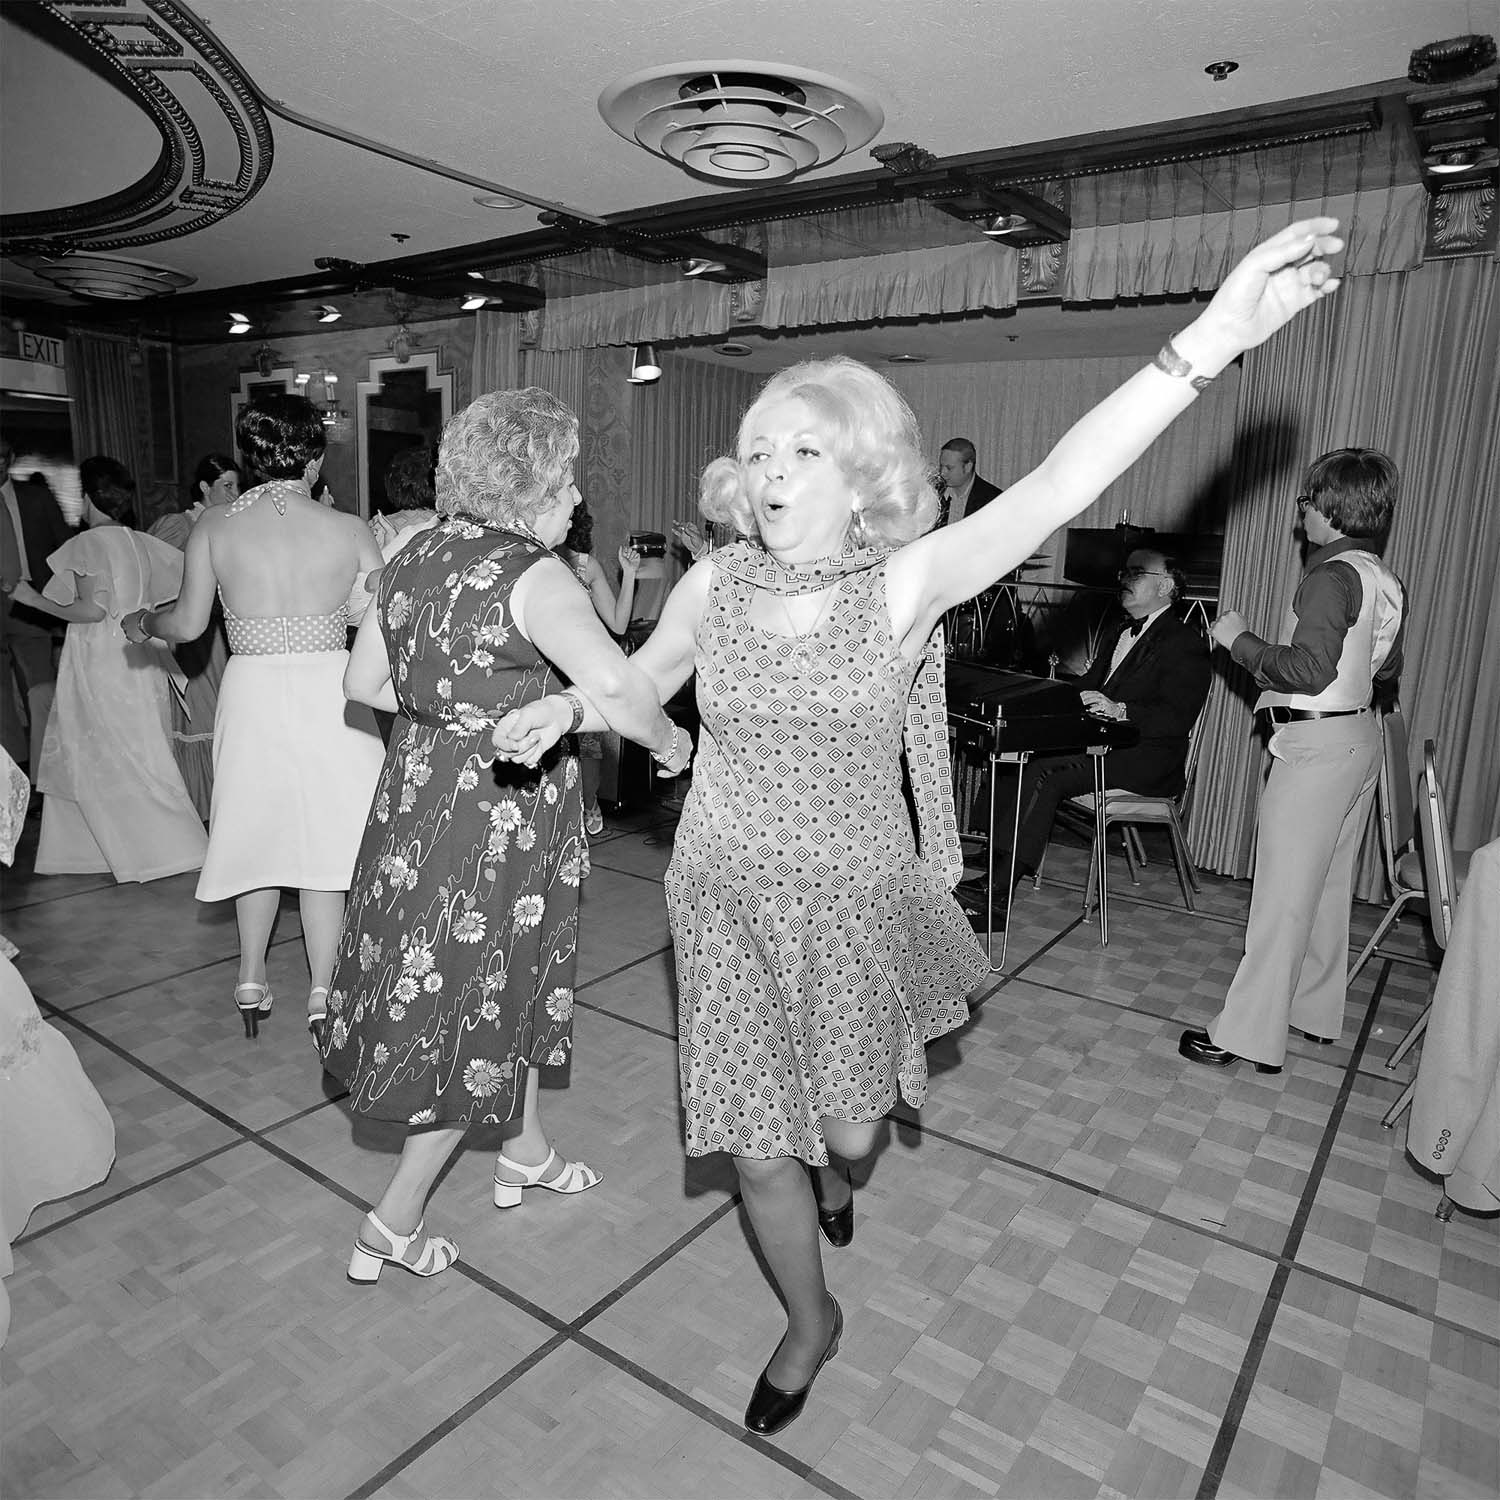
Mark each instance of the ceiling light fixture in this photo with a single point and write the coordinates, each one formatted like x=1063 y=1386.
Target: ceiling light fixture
x=239 y=323
x=496 y=200
x=1004 y=224
x=1219 y=71
x=1452 y=161
x=906 y=359
x=733 y=349
x=474 y=302
x=644 y=367
x=328 y=313
x=701 y=265
x=107 y=277
x=741 y=122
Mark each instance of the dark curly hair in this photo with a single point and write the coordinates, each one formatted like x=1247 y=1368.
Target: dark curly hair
x=279 y=435
x=408 y=479
x=580 y=537
x=108 y=484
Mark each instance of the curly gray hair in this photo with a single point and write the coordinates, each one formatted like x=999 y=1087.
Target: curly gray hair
x=505 y=456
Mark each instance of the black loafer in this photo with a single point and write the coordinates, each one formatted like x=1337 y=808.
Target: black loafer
x=1322 y=1041
x=838 y=1224
x=770 y=1408
x=1195 y=1045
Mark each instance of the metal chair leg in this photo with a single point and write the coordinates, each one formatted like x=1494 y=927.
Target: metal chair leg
x=1445 y=1208
x=1418 y=1027
x=1186 y=875
x=1392 y=912
x=1401 y=1105
x=1130 y=864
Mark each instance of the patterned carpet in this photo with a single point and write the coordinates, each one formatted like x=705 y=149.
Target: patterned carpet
x=1087 y=1269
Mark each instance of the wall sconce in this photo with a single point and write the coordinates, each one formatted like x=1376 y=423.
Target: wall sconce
x=265 y=361
x=400 y=344
x=644 y=368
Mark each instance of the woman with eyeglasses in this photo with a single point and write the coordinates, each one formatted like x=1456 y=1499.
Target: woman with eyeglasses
x=819 y=947
x=1339 y=652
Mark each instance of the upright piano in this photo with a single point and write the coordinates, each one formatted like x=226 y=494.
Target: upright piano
x=1003 y=717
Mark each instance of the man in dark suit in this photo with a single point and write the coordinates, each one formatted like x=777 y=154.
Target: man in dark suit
x=1151 y=669
x=35 y=529
x=963 y=491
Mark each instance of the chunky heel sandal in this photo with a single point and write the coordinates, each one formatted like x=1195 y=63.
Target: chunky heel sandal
x=317 y=1016
x=572 y=1177
x=420 y=1253
x=259 y=1006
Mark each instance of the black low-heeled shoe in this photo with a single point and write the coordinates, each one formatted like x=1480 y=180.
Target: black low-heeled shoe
x=837 y=1224
x=771 y=1408
x=1196 y=1045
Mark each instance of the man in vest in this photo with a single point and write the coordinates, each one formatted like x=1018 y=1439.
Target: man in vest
x=1341 y=647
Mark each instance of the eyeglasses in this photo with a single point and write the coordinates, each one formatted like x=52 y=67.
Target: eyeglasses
x=1129 y=575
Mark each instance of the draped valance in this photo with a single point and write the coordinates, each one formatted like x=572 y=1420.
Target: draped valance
x=1180 y=227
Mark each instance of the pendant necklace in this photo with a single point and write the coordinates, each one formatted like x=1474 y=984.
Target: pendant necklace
x=801 y=650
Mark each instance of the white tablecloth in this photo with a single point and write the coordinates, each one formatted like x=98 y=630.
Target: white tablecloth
x=1455 y=1113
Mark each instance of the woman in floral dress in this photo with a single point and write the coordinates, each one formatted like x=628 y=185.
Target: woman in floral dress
x=818 y=943
x=454 y=979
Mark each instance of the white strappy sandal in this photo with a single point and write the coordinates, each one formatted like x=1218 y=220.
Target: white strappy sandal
x=574 y=1177
x=420 y=1253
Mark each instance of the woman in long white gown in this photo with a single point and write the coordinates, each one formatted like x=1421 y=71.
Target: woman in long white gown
x=115 y=800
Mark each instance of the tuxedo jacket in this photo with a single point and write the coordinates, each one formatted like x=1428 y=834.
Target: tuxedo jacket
x=981 y=492
x=1163 y=683
x=43 y=530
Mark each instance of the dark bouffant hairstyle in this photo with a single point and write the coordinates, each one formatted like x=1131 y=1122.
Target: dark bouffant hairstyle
x=409 y=481
x=279 y=435
x=580 y=537
x=1354 y=490
x=107 y=482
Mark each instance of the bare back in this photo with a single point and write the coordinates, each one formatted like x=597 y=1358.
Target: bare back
x=300 y=562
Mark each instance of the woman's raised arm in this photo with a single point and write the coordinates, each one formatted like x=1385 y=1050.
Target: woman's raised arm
x=1275 y=281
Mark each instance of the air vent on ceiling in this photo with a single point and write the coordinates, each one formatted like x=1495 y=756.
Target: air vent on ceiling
x=108 y=276
x=741 y=122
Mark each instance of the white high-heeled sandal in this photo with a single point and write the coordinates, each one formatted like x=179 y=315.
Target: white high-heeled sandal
x=420 y=1253
x=575 y=1177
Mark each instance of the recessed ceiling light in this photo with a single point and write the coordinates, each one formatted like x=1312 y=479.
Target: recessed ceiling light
x=1004 y=224
x=906 y=359
x=496 y=200
x=1219 y=71
x=733 y=349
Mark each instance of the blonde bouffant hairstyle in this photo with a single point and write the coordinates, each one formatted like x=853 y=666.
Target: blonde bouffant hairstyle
x=505 y=456
x=874 y=440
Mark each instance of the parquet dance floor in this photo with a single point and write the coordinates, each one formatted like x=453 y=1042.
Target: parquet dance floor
x=1086 y=1269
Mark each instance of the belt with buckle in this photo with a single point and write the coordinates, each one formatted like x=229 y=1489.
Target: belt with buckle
x=1279 y=715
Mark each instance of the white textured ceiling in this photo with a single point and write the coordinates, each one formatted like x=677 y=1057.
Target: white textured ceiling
x=507 y=90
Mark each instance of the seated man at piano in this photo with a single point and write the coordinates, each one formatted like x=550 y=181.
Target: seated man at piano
x=1151 y=670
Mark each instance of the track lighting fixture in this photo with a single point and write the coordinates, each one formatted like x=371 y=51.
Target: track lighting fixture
x=644 y=368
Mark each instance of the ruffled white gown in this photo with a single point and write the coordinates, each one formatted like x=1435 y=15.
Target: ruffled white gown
x=115 y=800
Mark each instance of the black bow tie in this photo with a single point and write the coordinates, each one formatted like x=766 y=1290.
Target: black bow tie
x=1134 y=628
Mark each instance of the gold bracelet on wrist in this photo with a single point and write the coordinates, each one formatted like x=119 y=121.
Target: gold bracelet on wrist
x=576 y=704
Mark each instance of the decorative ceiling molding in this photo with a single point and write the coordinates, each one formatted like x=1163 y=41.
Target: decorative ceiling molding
x=176 y=71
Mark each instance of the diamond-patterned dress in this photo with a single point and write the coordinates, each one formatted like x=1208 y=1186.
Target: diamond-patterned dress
x=460 y=941
x=816 y=955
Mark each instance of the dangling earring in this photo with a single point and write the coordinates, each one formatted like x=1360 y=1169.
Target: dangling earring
x=860 y=537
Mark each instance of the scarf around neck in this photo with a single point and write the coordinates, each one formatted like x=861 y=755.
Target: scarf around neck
x=925 y=733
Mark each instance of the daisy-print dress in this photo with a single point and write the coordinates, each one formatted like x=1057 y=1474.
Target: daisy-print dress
x=456 y=961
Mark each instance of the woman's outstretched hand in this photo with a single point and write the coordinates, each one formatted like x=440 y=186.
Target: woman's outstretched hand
x=527 y=733
x=1273 y=283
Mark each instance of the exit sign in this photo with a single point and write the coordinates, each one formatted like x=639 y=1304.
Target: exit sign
x=43 y=350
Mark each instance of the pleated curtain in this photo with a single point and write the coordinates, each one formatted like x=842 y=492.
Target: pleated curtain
x=107 y=414
x=1404 y=363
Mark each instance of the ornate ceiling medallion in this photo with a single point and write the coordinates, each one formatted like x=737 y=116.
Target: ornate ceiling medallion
x=741 y=122
x=158 y=53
